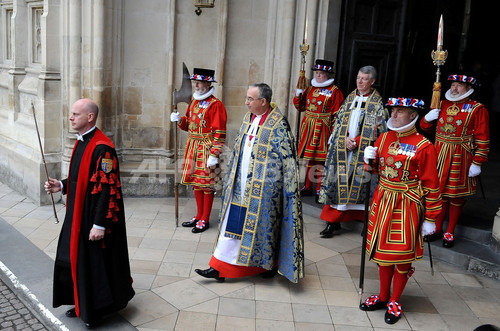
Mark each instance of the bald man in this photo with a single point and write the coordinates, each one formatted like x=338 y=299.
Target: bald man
x=92 y=270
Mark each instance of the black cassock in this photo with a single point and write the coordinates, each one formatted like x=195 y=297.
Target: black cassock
x=101 y=268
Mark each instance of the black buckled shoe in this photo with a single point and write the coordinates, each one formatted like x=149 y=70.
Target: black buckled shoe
x=210 y=273
x=200 y=227
x=329 y=229
x=393 y=313
x=373 y=303
x=190 y=224
x=433 y=236
x=71 y=312
x=448 y=240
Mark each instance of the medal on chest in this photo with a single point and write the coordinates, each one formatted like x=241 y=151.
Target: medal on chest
x=398 y=148
x=326 y=93
x=202 y=105
x=407 y=150
x=467 y=108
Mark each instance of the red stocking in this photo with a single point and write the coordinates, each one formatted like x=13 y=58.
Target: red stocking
x=401 y=276
x=385 y=273
x=198 y=195
x=208 y=200
x=456 y=206
x=319 y=174
x=439 y=221
x=309 y=175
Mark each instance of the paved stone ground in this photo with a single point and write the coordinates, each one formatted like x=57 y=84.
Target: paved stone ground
x=14 y=315
x=171 y=296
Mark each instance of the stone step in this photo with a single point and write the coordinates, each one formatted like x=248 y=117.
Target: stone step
x=470 y=255
x=475 y=249
x=150 y=178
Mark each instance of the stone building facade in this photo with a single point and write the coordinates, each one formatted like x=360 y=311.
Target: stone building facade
x=127 y=55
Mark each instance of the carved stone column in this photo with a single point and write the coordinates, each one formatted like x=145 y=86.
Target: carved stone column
x=72 y=41
x=49 y=89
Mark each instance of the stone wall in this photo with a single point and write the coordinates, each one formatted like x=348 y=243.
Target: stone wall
x=29 y=80
x=127 y=55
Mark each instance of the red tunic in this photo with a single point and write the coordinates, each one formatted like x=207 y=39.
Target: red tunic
x=320 y=105
x=205 y=122
x=462 y=138
x=408 y=187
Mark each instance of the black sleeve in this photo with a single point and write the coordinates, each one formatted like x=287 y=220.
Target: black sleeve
x=104 y=180
x=65 y=185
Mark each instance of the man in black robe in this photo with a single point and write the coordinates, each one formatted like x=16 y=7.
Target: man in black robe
x=92 y=269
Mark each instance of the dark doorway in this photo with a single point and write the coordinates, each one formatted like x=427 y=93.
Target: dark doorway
x=370 y=34
x=420 y=38
x=397 y=37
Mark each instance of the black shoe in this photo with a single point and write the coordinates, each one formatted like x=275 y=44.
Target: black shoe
x=393 y=313
x=330 y=228
x=448 y=243
x=210 y=273
x=373 y=303
x=390 y=318
x=304 y=192
x=433 y=236
x=93 y=324
x=270 y=273
x=316 y=198
x=71 y=312
x=200 y=227
x=190 y=224
x=448 y=240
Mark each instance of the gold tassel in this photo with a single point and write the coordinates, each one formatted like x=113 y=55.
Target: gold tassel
x=436 y=95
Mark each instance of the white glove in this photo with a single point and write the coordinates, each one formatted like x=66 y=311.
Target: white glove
x=299 y=92
x=330 y=140
x=428 y=228
x=432 y=115
x=474 y=170
x=370 y=153
x=212 y=160
x=175 y=117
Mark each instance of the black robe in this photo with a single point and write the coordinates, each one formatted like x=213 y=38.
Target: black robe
x=100 y=269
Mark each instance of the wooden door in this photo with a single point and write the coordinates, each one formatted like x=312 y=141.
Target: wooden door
x=370 y=35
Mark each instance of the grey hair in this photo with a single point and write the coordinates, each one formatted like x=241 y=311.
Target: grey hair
x=369 y=70
x=265 y=92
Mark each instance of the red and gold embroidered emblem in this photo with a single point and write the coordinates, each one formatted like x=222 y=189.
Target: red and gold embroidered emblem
x=453 y=110
x=393 y=148
x=107 y=165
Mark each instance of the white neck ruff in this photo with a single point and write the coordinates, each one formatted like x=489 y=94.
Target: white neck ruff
x=198 y=97
x=460 y=97
x=324 y=84
x=405 y=128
